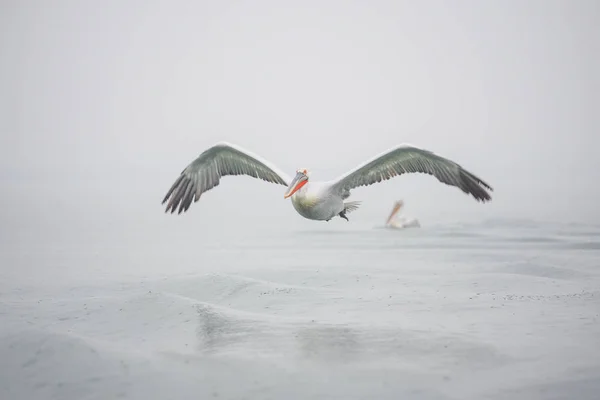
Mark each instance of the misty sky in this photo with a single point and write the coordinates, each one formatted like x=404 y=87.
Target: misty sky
x=104 y=103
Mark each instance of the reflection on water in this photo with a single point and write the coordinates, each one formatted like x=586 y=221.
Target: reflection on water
x=217 y=332
x=224 y=332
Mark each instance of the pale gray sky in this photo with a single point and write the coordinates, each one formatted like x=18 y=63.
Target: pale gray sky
x=104 y=103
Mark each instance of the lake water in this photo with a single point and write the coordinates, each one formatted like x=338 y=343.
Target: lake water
x=495 y=310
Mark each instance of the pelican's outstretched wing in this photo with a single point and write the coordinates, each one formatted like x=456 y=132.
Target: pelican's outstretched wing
x=205 y=172
x=406 y=159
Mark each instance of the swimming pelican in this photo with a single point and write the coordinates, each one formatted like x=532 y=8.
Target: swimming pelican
x=400 y=223
x=319 y=201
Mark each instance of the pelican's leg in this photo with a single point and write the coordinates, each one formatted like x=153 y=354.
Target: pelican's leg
x=343 y=215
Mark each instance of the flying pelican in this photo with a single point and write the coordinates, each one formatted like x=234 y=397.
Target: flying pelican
x=319 y=201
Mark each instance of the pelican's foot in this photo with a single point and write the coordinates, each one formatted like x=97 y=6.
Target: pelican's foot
x=343 y=215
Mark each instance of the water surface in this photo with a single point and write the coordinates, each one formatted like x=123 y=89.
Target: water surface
x=494 y=310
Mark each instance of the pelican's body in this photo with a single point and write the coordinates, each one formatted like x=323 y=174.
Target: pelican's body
x=316 y=201
x=403 y=223
x=313 y=201
x=320 y=201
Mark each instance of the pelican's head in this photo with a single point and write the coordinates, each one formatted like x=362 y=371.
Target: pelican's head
x=299 y=180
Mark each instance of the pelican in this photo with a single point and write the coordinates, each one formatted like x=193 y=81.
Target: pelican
x=394 y=222
x=320 y=201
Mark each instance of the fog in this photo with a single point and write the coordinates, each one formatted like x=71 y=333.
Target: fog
x=103 y=104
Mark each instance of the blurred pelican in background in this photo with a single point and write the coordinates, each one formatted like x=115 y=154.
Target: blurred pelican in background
x=395 y=222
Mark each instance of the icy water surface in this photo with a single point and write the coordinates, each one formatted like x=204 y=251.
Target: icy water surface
x=495 y=310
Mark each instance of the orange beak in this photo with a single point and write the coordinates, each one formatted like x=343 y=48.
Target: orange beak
x=394 y=211
x=299 y=181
